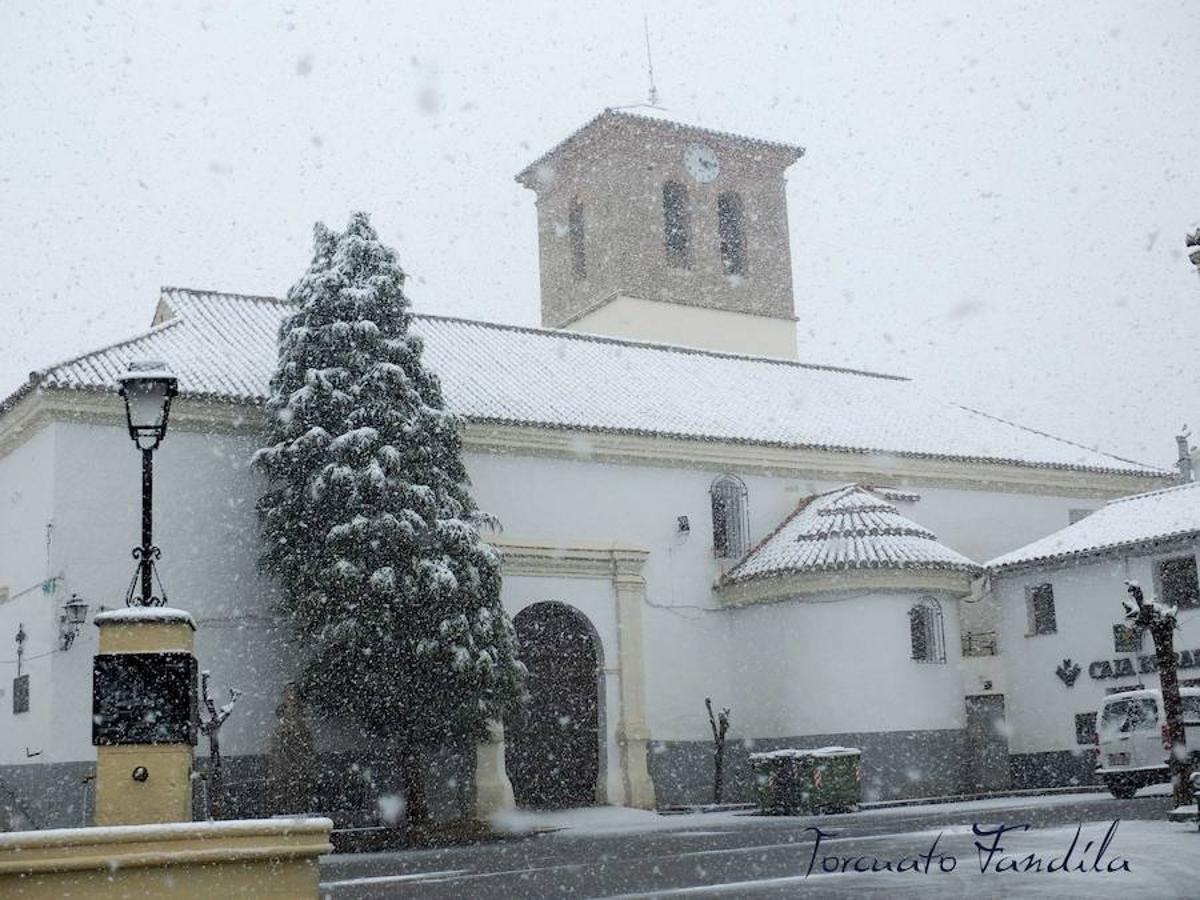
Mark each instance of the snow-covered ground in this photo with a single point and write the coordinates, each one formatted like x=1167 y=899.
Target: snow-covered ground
x=1144 y=859
x=599 y=820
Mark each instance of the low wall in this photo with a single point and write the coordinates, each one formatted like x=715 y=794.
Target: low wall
x=248 y=858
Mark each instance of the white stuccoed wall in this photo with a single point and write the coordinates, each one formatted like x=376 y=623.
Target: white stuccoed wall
x=206 y=525
x=1087 y=598
x=26 y=509
x=86 y=479
x=789 y=680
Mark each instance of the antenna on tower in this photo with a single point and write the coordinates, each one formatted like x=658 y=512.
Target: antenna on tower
x=653 y=97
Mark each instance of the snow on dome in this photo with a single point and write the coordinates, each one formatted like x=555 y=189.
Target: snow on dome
x=223 y=347
x=847 y=528
x=1155 y=516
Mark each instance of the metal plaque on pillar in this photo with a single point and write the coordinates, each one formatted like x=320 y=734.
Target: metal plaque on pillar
x=144 y=698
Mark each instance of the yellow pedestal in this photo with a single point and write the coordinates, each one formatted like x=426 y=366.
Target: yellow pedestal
x=144 y=783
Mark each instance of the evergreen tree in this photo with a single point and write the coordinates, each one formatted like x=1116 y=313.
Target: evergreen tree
x=368 y=523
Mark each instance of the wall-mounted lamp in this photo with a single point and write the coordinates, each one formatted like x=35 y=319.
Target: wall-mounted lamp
x=684 y=525
x=74 y=614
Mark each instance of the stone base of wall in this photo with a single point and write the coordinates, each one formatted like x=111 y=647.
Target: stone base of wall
x=46 y=795
x=1061 y=768
x=347 y=789
x=896 y=765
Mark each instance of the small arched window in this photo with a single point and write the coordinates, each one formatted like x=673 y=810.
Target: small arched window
x=731 y=227
x=677 y=226
x=575 y=238
x=730 y=517
x=927 y=631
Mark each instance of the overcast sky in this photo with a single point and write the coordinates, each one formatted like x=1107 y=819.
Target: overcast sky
x=994 y=197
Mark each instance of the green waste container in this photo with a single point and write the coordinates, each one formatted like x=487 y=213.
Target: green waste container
x=794 y=781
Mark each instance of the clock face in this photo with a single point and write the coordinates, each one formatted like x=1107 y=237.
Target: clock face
x=701 y=162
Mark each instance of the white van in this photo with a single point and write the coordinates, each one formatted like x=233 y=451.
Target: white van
x=1132 y=734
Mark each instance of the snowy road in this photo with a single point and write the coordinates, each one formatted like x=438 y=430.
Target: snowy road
x=613 y=853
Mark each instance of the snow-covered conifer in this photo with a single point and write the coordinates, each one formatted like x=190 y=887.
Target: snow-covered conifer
x=368 y=523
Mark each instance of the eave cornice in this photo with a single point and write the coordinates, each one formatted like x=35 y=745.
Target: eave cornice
x=39 y=406
x=579 y=559
x=802 y=585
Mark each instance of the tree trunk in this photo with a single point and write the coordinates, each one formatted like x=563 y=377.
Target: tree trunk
x=216 y=787
x=719 y=761
x=417 y=803
x=1162 y=633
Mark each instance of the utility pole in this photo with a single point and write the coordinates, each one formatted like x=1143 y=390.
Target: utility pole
x=1159 y=620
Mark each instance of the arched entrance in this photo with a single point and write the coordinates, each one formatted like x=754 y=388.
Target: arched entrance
x=553 y=743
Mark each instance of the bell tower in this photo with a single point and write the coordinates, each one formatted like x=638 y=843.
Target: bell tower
x=653 y=230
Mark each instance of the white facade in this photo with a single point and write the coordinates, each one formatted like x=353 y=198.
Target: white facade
x=834 y=664
x=1088 y=596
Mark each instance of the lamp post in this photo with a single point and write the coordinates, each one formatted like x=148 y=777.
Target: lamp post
x=147 y=388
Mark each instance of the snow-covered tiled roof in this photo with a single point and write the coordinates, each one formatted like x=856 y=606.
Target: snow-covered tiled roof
x=223 y=346
x=1169 y=514
x=849 y=528
x=646 y=114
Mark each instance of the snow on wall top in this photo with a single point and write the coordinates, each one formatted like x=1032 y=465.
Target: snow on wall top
x=1167 y=514
x=223 y=346
x=844 y=529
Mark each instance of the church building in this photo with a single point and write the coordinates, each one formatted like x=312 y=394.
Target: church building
x=688 y=510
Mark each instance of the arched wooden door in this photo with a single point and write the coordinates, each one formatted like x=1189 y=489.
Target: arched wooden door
x=553 y=744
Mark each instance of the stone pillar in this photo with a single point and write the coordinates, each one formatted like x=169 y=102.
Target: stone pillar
x=144 y=716
x=633 y=735
x=493 y=790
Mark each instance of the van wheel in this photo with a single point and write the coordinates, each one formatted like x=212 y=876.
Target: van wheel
x=1122 y=790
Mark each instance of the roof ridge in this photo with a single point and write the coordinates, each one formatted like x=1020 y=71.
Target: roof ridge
x=657 y=345
x=265 y=298
x=1055 y=437
x=580 y=336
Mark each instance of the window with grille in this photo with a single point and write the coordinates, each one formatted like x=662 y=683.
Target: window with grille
x=575 y=237
x=677 y=234
x=732 y=231
x=730 y=517
x=1040 y=602
x=1127 y=639
x=20 y=690
x=1085 y=728
x=927 y=631
x=1177 y=583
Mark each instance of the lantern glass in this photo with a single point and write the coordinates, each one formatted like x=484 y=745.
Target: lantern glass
x=76 y=610
x=147 y=388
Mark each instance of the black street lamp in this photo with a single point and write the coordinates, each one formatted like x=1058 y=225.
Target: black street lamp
x=147 y=388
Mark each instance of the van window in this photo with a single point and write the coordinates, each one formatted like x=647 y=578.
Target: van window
x=1140 y=714
x=1191 y=710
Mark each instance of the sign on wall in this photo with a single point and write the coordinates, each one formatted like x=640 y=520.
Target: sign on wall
x=144 y=698
x=1145 y=665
